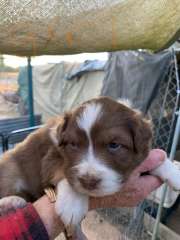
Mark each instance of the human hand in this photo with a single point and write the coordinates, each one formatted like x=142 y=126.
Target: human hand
x=137 y=187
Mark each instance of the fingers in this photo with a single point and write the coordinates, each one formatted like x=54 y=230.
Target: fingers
x=149 y=184
x=135 y=192
x=153 y=160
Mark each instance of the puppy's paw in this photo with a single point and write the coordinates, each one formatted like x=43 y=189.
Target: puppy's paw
x=70 y=205
x=11 y=202
x=168 y=171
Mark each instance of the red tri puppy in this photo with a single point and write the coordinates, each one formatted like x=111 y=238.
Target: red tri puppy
x=89 y=151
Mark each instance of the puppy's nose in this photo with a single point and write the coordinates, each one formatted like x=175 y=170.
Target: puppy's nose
x=89 y=182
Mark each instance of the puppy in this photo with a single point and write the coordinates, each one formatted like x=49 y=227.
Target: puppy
x=89 y=151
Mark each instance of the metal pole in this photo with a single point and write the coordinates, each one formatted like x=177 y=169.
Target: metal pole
x=158 y=217
x=30 y=94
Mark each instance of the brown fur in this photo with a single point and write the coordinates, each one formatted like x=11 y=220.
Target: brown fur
x=36 y=161
x=39 y=162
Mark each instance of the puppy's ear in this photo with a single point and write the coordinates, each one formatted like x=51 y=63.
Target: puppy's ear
x=58 y=130
x=142 y=134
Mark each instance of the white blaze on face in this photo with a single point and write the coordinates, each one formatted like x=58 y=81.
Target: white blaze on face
x=89 y=116
x=90 y=164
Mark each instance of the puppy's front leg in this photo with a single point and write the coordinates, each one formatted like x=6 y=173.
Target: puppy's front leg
x=70 y=205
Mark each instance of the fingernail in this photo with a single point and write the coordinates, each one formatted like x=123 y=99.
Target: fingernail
x=159 y=155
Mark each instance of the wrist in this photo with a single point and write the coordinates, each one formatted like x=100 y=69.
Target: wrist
x=51 y=221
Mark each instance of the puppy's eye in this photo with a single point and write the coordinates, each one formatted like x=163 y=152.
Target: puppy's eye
x=113 y=146
x=73 y=145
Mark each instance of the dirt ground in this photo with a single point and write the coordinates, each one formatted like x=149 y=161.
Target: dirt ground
x=8 y=109
x=8 y=85
x=96 y=228
x=8 y=81
x=110 y=225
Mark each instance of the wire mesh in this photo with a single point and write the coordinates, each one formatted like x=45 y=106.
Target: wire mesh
x=164 y=107
x=163 y=112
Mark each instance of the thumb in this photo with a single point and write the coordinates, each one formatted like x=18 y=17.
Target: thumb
x=155 y=158
x=148 y=184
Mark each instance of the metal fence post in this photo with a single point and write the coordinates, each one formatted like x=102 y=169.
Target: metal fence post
x=30 y=94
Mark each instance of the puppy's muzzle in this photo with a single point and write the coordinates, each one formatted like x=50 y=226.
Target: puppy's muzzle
x=89 y=182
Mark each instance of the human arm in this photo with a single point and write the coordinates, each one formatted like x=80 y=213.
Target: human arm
x=22 y=223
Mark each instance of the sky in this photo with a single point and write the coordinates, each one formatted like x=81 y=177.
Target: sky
x=15 y=62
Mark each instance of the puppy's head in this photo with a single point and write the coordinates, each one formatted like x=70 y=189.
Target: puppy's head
x=102 y=141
